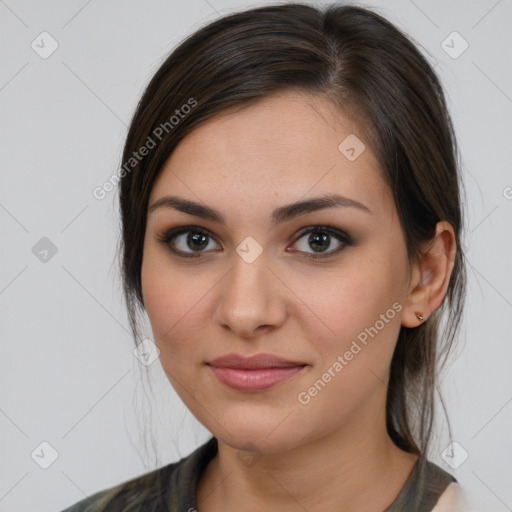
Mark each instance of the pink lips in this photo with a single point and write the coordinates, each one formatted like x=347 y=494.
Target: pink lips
x=255 y=373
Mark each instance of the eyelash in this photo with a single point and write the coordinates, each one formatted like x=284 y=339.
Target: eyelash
x=341 y=236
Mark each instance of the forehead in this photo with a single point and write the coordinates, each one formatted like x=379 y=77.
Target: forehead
x=280 y=149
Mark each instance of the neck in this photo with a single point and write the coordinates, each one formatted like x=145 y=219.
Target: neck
x=353 y=468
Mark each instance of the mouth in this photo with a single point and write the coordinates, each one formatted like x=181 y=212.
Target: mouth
x=255 y=373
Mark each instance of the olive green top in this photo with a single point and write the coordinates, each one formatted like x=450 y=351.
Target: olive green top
x=172 y=488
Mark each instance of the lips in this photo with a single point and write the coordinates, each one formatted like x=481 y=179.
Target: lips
x=255 y=362
x=255 y=373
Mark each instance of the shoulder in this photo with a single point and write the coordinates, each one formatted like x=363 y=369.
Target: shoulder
x=168 y=487
x=452 y=500
x=135 y=491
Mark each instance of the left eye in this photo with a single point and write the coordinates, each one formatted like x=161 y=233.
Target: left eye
x=320 y=239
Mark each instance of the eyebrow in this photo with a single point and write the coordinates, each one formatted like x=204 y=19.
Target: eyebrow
x=279 y=215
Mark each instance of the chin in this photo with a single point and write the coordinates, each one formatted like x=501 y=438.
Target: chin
x=265 y=436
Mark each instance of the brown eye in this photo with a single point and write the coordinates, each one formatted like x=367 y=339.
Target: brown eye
x=320 y=239
x=187 y=241
x=192 y=241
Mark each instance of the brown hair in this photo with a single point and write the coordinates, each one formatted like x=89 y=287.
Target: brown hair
x=375 y=73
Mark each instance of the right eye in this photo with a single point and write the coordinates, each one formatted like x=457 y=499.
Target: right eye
x=180 y=239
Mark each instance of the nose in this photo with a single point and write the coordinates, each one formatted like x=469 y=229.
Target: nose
x=252 y=299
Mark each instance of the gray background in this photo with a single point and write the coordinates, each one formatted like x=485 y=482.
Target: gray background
x=68 y=373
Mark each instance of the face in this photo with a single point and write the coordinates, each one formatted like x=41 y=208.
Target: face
x=247 y=284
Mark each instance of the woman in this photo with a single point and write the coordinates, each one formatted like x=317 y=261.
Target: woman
x=292 y=222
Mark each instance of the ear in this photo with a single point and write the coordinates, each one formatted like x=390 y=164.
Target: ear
x=430 y=278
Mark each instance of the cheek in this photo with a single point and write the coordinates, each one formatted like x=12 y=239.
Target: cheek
x=360 y=312
x=171 y=298
x=173 y=303
x=355 y=297
x=362 y=308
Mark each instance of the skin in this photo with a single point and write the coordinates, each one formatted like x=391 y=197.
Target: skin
x=332 y=453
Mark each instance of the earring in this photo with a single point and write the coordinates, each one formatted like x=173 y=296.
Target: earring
x=419 y=316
